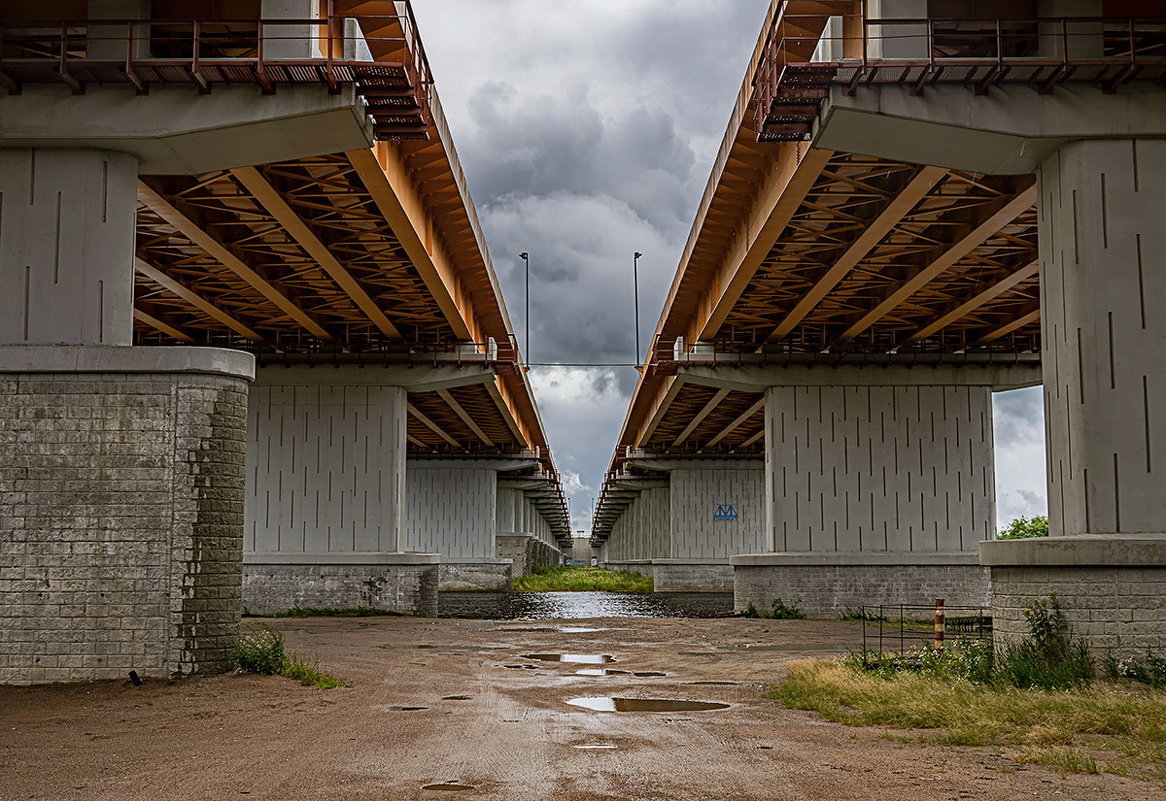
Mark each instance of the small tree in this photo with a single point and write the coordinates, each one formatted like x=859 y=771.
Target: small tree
x=1023 y=528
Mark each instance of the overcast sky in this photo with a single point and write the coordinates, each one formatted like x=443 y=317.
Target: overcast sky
x=587 y=131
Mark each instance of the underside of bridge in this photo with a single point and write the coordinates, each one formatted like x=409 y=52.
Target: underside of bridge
x=250 y=320
x=863 y=272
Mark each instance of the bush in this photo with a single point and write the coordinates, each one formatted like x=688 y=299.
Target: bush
x=263 y=653
x=1023 y=528
x=783 y=612
x=1049 y=658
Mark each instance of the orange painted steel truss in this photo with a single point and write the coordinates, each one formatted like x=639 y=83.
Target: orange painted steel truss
x=291 y=299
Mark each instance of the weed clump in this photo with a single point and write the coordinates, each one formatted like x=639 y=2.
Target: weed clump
x=1149 y=670
x=780 y=611
x=783 y=611
x=1050 y=657
x=263 y=652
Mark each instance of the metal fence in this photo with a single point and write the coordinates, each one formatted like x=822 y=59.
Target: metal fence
x=902 y=629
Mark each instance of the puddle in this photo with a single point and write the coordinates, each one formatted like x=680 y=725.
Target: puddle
x=595 y=747
x=602 y=672
x=606 y=704
x=407 y=708
x=521 y=667
x=578 y=630
x=447 y=786
x=535 y=629
x=456 y=697
x=643 y=674
x=579 y=659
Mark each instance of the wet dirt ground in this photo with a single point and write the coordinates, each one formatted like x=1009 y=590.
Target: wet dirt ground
x=440 y=702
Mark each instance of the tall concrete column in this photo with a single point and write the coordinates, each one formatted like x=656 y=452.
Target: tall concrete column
x=326 y=494
x=289 y=40
x=67 y=246
x=1104 y=356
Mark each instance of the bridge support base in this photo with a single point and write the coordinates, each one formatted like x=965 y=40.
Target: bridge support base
x=121 y=510
x=404 y=583
x=828 y=585
x=1110 y=589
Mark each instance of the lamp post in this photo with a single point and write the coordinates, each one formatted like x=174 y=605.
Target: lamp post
x=526 y=339
x=636 y=298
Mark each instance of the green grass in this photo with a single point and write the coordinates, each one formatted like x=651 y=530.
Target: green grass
x=263 y=652
x=328 y=611
x=1103 y=728
x=581 y=579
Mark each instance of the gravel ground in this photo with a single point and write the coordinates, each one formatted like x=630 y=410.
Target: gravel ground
x=438 y=701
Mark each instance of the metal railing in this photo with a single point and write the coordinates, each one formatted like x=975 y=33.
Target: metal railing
x=905 y=629
x=798 y=69
x=380 y=54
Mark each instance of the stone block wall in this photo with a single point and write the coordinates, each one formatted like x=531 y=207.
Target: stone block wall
x=121 y=524
x=1117 y=610
x=406 y=589
x=518 y=548
x=693 y=577
x=828 y=590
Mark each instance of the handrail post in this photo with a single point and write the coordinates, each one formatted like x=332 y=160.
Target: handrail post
x=930 y=45
x=194 y=43
x=865 y=35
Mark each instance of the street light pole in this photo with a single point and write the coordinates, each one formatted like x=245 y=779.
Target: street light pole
x=636 y=297
x=526 y=339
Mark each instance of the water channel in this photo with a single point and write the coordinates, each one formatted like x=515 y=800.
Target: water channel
x=566 y=605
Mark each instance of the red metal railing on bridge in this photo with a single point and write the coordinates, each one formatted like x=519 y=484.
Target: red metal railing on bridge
x=797 y=70
x=146 y=53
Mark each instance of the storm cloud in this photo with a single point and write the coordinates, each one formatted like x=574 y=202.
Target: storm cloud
x=587 y=131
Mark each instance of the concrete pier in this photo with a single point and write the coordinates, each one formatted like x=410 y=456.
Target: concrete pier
x=121 y=510
x=878 y=483
x=1103 y=348
x=875 y=494
x=683 y=528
